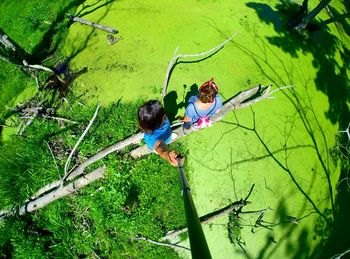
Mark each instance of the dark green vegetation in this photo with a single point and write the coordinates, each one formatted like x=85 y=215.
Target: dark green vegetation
x=137 y=197
x=36 y=28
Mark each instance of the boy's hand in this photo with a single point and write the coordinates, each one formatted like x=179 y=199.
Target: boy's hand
x=172 y=158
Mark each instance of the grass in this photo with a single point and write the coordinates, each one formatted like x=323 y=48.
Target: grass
x=37 y=27
x=137 y=196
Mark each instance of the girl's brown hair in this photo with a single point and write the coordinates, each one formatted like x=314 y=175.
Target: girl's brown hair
x=207 y=94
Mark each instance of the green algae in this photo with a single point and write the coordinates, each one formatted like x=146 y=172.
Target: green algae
x=224 y=160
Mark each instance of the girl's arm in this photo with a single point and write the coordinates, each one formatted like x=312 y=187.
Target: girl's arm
x=219 y=103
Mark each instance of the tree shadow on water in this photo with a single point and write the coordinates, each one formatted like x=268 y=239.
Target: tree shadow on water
x=324 y=47
x=331 y=61
x=88 y=39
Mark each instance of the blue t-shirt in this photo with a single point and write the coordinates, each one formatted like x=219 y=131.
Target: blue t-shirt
x=162 y=133
x=194 y=113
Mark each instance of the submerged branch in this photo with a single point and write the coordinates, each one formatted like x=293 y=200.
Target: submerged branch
x=92 y=24
x=235 y=206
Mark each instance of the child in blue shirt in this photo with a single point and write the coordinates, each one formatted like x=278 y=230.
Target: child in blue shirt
x=156 y=128
x=201 y=106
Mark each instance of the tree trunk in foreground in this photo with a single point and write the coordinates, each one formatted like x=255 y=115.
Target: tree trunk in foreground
x=40 y=202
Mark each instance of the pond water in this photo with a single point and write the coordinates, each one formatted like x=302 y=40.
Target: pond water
x=298 y=127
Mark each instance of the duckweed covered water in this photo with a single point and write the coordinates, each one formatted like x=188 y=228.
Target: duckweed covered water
x=227 y=160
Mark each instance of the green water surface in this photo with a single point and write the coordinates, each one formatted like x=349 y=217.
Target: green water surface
x=225 y=160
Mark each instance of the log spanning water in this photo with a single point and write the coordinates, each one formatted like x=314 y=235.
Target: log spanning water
x=93 y=24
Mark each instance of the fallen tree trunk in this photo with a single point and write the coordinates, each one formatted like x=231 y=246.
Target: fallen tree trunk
x=235 y=103
x=241 y=100
x=42 y=201
x=92 y=24
x=135 y=139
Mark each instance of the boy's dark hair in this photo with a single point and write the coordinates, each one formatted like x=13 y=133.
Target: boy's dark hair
x=150 y=116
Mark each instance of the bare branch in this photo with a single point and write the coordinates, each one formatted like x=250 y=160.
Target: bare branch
x=78 y=142
x=176 y=57
x=40 y=67
x=60 y=119
x=237 y=206
x=92 y=24
x=167 y=74
x=140 y=237
x=7 y=43
x=255 y=211
x=347 y=131
x=338 y=256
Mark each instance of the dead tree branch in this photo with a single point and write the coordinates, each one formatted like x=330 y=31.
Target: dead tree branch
x=92 y=24
x=339 y=256
x=66 y=167
x=7 y=43
x=135 y=139
x=235 y=206
x=140 y=237
x=347 y=131
x=175 y=58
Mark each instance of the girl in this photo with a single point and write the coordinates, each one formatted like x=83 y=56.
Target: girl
x=201 y=106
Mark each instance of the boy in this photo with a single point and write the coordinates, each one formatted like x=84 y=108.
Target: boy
x=157 y=132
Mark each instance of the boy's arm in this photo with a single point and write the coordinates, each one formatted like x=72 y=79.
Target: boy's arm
x=163 y=151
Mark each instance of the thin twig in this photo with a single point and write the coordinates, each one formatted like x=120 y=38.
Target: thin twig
x=338 y=256
x=60 y=119
x=140 y=237
x=255 y=211
x=66 y=173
